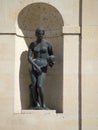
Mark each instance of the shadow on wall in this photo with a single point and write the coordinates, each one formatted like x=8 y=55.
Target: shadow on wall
x=43 y=15
x=24 y=80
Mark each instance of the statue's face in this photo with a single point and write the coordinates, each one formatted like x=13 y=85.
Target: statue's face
x=40 y=33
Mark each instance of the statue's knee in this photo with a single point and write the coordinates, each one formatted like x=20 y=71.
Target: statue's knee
x=40 y=86
x=33 y=83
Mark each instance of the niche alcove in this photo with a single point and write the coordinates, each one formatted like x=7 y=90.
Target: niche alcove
x=31 y=17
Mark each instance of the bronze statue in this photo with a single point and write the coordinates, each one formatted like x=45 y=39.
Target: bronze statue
x=40 y=56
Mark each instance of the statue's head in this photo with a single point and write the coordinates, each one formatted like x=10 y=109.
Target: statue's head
x=40 y=33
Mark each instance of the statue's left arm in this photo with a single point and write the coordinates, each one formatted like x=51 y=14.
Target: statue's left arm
x=51 y=59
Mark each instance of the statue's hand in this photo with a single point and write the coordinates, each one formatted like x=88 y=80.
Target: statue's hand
x=51 y=60
x=36 y=67
x=51 y=64
x=39 y=71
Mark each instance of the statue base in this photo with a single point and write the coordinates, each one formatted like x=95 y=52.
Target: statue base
x=39 y=108
x=39 y=112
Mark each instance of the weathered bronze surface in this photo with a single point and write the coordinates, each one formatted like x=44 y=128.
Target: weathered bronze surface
x=40 y=56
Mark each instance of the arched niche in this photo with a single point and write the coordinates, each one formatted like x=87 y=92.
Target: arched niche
x=31 y=17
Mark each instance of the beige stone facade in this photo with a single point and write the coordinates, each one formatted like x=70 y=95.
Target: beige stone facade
x=71 y=85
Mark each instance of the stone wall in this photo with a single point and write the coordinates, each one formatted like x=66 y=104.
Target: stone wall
x=90 y=65
x=74 y=32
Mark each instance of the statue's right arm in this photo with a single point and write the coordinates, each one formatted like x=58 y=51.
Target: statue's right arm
x=30 y=58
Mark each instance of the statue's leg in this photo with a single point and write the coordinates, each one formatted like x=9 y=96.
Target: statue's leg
x=40 y=82
x=34 y=90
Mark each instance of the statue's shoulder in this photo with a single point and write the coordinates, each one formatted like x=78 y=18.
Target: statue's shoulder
x=32 y=44
x=47 y=42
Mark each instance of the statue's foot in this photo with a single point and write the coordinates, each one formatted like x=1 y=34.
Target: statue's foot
x=37 y=108
x=45 y=108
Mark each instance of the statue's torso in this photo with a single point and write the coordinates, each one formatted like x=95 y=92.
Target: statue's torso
x=40 y=51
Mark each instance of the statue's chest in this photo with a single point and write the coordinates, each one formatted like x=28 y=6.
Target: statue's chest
x=40 y=49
